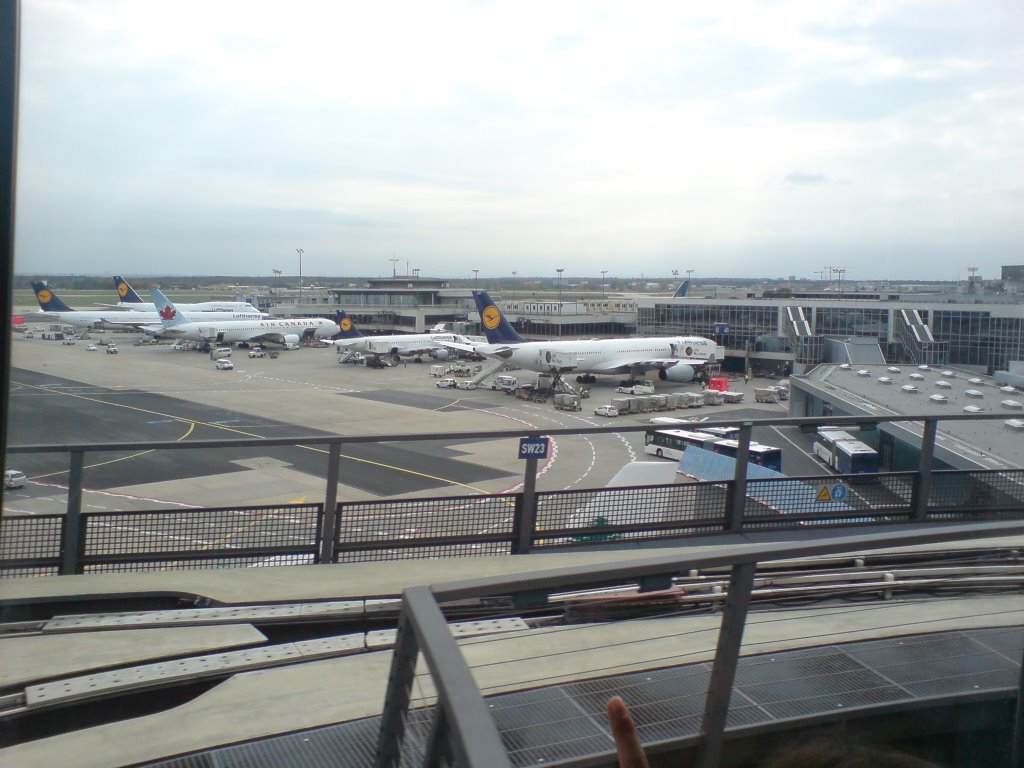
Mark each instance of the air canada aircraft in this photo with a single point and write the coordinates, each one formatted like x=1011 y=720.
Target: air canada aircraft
x=676 y=358
x=129 y=299
x=53 y=308
x=286 y=331
x=413 y=345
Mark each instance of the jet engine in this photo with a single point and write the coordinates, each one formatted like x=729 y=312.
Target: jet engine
x=291 y=338
x=439 y=354
x=679 y=372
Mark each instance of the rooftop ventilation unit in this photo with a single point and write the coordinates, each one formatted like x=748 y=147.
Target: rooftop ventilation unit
x=845 y=366
x=972 y=409
x=863 y=372
x=909 y=388
x=924 y=368
x=943 y=384
x=916 y=376
x=1007 y=388
x=884 y=380
x=939 y=399
x=1014 y=404
x=893 y=369
x=975 y=380
x=948 y=373
x=974 y=393
x=1017 y=424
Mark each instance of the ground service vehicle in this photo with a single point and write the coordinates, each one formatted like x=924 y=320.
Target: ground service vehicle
x=224 y=364
x=844 y=452
x=111 y=349
x=91 y=348
x=466 y=384
x=642 y=388
x=257 y=352
x=68 y=341
x=14 y=479
x=606 y=410
x=220 y=352
x=28 y=335
x=507 y=384
x=446 y=383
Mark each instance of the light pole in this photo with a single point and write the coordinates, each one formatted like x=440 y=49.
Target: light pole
x=560 y=270
x=299 y=251
x=394 y=270
x=603 y=273
x=476 y=272
x=839 y=288
x=688 y=273
x=513 y=285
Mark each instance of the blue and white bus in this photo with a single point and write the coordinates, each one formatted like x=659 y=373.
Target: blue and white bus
x=670 y=443
x=845 y=453
x=762 y=455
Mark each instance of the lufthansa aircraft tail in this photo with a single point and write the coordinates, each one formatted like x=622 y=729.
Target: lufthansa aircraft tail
x=497 y=329
x=681 y=290
x=348 y=328
x=125 y=293
x=169 y=315
x=48 y=301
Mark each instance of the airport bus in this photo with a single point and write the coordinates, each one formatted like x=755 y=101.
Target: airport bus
x=762 y=455
x=670 y=443
x=844 y=452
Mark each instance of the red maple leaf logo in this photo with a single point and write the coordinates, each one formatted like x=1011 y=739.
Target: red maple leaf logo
x=167 y=313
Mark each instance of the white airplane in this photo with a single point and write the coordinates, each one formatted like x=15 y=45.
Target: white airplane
x=52 y=308
x=129 y=299
x=677 y=358
x=397 y=345
x=286 y=331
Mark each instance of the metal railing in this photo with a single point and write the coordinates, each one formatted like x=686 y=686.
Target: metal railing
x=511 y=523
x=463 y=730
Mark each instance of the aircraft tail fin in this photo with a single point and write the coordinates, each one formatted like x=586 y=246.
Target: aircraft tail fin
x=125 y=293
x=348 y=328
x=681 y=290
x=169 y=314
x=496 y=327
x=48 y=301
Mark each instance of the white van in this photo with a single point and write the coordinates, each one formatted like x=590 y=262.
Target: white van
x=437 y=371
x=220 y=352
x=13 y=478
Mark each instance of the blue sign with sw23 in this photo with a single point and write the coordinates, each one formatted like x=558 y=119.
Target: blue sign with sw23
x=533 y=448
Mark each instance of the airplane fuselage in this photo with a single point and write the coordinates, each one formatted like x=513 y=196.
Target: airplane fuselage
x=115 y=319
x=607 y=356
x=404 y=344
x=232 y=332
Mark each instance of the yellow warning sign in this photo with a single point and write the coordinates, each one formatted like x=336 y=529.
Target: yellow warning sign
x=823 y=494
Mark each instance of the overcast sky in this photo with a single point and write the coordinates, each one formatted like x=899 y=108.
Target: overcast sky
x=734 y=139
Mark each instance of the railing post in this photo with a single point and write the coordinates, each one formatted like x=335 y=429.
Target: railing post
x=73 y=546
x=736 y=502
x=923 y=487
x=723 y=673
x=328 y=527
x=396 y=700
x=527 y=518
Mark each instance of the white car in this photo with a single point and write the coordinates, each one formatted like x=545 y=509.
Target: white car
x=68 y=341
x=225 y=365
x=446 y=383
x=466 y=384
x=111 y=349
x=91 y=348
x=13 y=478
x=257 y=352
x=606 y=410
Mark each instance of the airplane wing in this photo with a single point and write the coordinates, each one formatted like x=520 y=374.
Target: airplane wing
x=623 y=365
x=501 y=351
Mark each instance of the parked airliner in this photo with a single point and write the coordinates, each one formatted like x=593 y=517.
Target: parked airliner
x=396 y=345
x=129 y=299
x=53 y=308
x=286 y=331
x=677 y=358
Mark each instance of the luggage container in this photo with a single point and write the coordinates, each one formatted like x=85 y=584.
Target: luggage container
x=732 y=397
